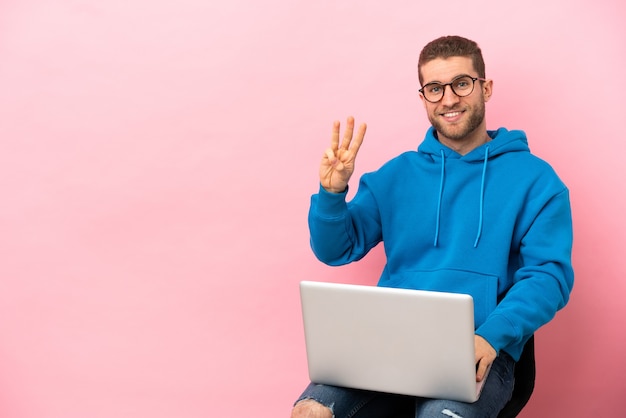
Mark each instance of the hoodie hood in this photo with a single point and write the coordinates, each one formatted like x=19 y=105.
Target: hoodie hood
x=502 y=141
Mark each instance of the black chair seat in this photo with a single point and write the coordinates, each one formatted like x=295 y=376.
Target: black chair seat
x=525 y=372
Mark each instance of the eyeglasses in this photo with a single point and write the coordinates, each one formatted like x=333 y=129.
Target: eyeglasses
x=462 y=86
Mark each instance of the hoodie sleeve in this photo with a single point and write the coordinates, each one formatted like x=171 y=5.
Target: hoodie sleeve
x=542 y=284
x=343 y=232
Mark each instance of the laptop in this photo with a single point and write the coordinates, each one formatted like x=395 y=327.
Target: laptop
x=401 y=341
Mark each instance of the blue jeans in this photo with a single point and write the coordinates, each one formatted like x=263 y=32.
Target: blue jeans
x=355 y=403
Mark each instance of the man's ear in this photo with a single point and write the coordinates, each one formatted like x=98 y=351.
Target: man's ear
x=423 y=100
x=487 y=89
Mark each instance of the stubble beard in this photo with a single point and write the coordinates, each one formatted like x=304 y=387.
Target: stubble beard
x=459 y=132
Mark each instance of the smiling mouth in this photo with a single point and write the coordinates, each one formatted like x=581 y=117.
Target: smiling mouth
x=451 y=114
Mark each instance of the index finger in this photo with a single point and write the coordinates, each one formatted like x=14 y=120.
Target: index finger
x=481 y=370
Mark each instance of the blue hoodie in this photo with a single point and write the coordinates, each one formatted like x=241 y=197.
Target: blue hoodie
x=494 y=223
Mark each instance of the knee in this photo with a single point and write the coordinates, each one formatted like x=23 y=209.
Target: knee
x=309 y=408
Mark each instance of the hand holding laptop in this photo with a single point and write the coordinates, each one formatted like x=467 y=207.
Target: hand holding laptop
x=485 y=355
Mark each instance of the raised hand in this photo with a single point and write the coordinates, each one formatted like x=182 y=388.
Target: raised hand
x=337 y=163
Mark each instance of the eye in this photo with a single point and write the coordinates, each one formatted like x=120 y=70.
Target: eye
x=463 y=83
x=433 y=88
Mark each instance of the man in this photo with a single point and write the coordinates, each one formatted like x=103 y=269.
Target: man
x=472 y=211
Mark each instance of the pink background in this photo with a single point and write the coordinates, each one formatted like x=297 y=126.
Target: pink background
x=156 y=163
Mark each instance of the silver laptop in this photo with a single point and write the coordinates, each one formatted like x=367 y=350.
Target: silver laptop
x=402 y=341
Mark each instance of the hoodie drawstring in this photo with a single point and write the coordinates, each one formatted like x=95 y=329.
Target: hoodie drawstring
x=482 y=198
x=443 y=165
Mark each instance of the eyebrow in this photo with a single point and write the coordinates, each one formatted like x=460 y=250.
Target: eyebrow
x=453 y=78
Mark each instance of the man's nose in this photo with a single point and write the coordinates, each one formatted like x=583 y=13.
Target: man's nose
x=449 y=96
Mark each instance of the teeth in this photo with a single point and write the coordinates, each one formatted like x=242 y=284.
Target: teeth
x=451 y=114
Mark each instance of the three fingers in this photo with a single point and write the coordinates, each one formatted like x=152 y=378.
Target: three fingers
x=350 y=142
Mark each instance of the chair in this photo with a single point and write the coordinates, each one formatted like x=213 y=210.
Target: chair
x=524 y=381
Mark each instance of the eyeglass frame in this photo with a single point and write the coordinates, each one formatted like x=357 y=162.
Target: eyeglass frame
x=443 y=86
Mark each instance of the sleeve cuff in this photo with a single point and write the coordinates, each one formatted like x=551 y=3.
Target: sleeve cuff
x=330 y=205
